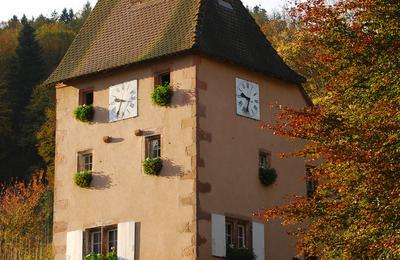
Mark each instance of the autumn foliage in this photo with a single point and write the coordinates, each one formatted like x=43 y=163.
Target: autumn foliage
x=353 y=131
x=25 y=218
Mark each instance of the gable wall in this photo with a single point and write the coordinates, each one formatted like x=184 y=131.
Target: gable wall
x=163 y=207
x=228 y=147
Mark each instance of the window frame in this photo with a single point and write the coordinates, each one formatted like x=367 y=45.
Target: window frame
x=148 y=146
x=81 y=165
x=83 y=96
x=104 y=239
x=247 y=239
x=158 y=77
x=267 y=155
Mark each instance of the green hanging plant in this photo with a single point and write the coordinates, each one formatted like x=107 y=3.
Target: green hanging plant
x=267 y=176
x=152 y=166
x=83 y=179
x=84 y=113
x=162 y=95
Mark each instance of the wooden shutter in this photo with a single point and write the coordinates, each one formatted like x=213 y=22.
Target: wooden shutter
x=126 y=241
x=258 y=240
x=74 y=245
x=218 y=235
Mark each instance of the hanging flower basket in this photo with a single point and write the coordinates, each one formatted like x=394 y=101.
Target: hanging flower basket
x=84 y=113
x=162 y=95
x=83 y=179
x=152 y=166
x=267 y=176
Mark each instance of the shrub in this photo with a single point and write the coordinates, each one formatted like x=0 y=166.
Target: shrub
x=84 y=113
x=152 y=166
x=83 y=179
x=267 y=176
x=162 y=95
x=239 y=254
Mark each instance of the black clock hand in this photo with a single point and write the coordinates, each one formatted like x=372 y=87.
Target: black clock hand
x=244 y=96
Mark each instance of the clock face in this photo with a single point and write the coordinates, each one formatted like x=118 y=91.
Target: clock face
x=247 y=99
x=123 y=101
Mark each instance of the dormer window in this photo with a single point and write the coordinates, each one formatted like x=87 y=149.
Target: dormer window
x=86 y=97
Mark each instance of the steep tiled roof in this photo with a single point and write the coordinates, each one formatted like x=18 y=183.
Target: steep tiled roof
x=123 y=32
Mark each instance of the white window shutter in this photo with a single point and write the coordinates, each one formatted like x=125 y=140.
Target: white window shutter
x=218 y=235
x=126 y=241
x=74 y=245
x=258 y=241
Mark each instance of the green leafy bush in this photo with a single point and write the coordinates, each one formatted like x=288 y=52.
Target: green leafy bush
x=152 y=166
x=83 y=179
x=84 y=113
x=162 y=95
x=239 y=254
x=267 y=176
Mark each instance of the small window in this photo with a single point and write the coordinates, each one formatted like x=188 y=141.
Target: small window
x=163 y=78
x=85 y=161
x=95 y=239
x=153 y=146
x=101 y=240
x=86 y=97
x=112 y=239
x=264 y=160
x=237 y=233
x=310 y=183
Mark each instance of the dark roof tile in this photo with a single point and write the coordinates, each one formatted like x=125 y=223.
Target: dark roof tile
x=123 y=32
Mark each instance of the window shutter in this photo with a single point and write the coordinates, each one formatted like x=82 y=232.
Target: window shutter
x=74 y=245
x=258 y=240
x=218 y=235
x=126 y=241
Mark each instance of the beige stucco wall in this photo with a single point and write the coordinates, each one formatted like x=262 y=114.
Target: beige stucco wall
x=228 y=150
x=163 y=206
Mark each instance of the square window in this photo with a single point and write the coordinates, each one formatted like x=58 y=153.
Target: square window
x=101 y=240
x=153 y=146
x=163 y=78
x=237 y=233
x=264 y=160
x=85 y=161
x=86 y=97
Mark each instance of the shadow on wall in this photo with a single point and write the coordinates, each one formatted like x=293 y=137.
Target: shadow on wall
x=171 y=170
x=182 y=97
x=100 y=115
x=101 y=181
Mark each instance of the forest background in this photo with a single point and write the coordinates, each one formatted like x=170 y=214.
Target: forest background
x=349 y=52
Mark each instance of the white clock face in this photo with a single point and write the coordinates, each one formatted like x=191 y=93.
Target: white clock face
x=123 y=101
x=247 y=99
